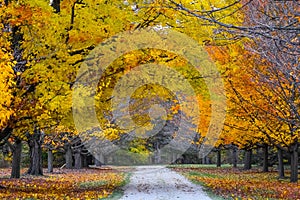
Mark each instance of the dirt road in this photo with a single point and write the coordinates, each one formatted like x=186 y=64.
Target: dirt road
x=160 y=183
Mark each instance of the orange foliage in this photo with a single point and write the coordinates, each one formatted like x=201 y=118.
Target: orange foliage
x=62 y=184
x=238 y=184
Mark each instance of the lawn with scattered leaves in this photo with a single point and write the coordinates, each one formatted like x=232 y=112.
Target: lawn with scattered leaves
x=239 y=184
x=62 y=184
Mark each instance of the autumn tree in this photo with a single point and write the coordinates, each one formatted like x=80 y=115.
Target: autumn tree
x=48 y=46
x=241 y=126
x=280 y=77
x=273 y=28
x=248 y=124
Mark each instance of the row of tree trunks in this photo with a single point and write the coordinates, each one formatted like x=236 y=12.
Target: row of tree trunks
x=294 y=155
x=294 y=162
x=233 y=157
x=35 y=150
x=80 y=160
x=247 y=160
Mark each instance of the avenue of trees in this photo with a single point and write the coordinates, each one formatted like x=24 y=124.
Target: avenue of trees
x=254 y=44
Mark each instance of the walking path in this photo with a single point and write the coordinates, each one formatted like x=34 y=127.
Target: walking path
x=161 y=183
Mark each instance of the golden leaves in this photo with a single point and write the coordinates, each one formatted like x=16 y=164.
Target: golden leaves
x=6 y=82
x=236 y=184
x=64 y=184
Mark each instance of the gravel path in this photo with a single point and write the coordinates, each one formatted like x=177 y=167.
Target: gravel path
x=160 y=183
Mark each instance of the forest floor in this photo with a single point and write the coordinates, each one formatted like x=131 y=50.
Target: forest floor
x=190 y=182
x=236 y=183
x=62 y=184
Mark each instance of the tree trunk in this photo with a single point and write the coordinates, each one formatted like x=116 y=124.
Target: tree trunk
x=77 y=157
x=174 y=157
x=248 y=158
x=265 y=159
x=68 y=156
x=157 y=155
x=234 y=157
x=16 y=162
x=84 y=159
x=98 y=163
x=280 y=163
x=35 y=151
x=294 y=164
x=99 y=159
x=5 y=151
x=218 y=157
x=203 y=160
x=50 y=161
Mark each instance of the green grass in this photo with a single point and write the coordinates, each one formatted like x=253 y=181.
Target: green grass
x=200 y=166
x=117 y=193
x=201 y=174
x=236 y=183
x=92 y=184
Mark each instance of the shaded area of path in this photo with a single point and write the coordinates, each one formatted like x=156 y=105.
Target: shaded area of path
x=160 y=183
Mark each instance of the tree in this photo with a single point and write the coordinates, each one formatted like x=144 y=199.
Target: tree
x=255 y=100
x=48 y=48
x=281 y=74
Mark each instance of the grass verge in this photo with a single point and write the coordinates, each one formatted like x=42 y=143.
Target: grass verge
x=119 y=192
x=235 y=183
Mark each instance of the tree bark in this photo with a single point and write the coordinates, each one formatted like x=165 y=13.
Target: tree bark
x=248 y=158
x=84 y=159
x=77 y=158
x=234 y=157
x=280 y=163
x=174 y=157
x=35 y=151
x=68 y=156
x=157 y=155
x=265 y=158
x=16 y=162
x=99 y=159
x=294 y=163
x=50 y=161
x=98 y=163
x=5 y=151
x=218 y=157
